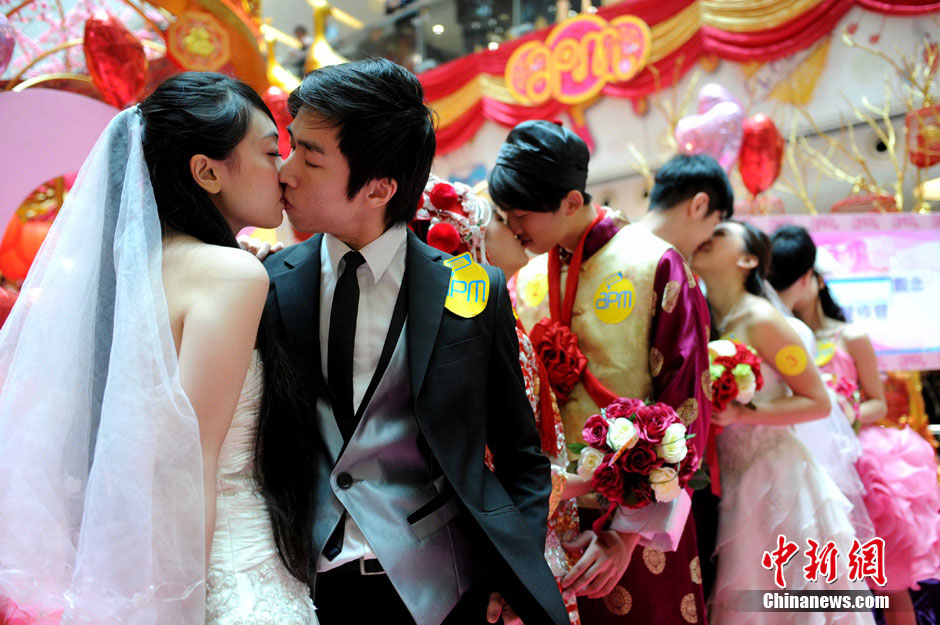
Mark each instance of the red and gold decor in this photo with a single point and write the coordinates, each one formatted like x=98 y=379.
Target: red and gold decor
x=197 y=41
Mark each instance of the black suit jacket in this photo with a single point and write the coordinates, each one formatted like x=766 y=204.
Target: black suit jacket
x=469 y=392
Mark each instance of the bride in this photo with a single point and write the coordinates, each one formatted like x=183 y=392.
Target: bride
x=771 y=484
x=134 y=375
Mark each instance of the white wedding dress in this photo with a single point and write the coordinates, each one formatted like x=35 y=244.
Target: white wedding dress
x=247 y=582
x=770 y=486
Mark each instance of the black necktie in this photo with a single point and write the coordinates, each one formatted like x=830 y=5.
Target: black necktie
x=342 y=341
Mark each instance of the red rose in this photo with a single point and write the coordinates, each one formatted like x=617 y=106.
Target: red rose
x=652 y=421
x=595 y=432
x=642 y=459
x=724 y=390
x=623 y=407
x=687 y=468
x=444 y=196
x=642 y=492
x=608 y=480
x=557 y=347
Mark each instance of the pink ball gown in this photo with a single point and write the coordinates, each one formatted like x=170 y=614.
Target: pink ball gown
x=899 y=470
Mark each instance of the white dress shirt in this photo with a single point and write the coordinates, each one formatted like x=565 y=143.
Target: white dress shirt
x=380 y=279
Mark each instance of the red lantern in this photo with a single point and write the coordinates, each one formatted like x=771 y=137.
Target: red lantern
x=276 y=99
x=115 y=59
x=865 y=204
x=923 y=136
x=761 y=154
x=20 y=245
x=762 y=205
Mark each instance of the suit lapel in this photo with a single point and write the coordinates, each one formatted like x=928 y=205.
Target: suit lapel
x=298 y=293
x=428 y=281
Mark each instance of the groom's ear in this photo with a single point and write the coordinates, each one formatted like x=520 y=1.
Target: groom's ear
x=203 y=171
x=380 y=191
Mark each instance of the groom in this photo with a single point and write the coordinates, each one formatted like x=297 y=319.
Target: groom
x=409 y=381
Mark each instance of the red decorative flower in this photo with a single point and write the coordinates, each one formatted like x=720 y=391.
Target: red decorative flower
x=642 y=492
x=444 y=236
x=724 y=390
x=652 y=421
x=608 y=481
x=595 y=432
x=444 y=196
x=623 y=407
x=642 y=459
x=687 y=468
x=557 y=347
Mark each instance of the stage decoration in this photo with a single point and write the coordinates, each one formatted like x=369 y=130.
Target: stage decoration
x=685 y=34
x=843 y=159
x=580 y=56
x=716 y=130
x=321 y=53
x=115 y=59
x=761 y=154
x=197 y=42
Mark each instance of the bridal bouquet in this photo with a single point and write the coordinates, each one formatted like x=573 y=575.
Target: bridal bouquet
x=850 y=397
x=735 y=374
x=634 y=454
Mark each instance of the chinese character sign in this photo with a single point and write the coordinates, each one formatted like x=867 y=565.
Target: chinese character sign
x=578 y=58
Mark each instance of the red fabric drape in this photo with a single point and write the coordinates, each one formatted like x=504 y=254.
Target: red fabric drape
x=900 y=7
x=765 y=45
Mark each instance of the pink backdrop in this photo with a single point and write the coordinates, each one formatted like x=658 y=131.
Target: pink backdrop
x=44 y=133
x=887 y=279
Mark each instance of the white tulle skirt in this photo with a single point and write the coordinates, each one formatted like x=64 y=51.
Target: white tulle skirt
x=771 y=486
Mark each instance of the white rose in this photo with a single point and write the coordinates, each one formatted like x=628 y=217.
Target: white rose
x=622 y=432
x=673 y=448
x=747 y=387
x=723 y=348
x=665 y=483
x=589 y=461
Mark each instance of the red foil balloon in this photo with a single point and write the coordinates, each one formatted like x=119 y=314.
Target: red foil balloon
x=115 y=59
x=761 y=154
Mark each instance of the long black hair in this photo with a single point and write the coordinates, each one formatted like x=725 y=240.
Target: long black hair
x=207 y=113
x=758 y=244
x=794 y=253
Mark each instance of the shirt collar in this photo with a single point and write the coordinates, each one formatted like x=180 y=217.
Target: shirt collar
x=378 y=254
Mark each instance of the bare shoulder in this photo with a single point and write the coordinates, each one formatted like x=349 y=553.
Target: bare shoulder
x=852 y=333
x=199 y=275
x=763 y=312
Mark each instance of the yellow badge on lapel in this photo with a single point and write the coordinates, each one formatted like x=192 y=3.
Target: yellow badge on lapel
x=469 y=286
x=614 y=298
x=825 y=350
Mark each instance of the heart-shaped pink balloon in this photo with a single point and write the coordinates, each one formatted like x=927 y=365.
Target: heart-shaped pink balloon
x=7 y=42
x=716 y=130
x=712 y=94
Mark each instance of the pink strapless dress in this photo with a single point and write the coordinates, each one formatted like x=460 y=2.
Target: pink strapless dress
x=899 y=470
